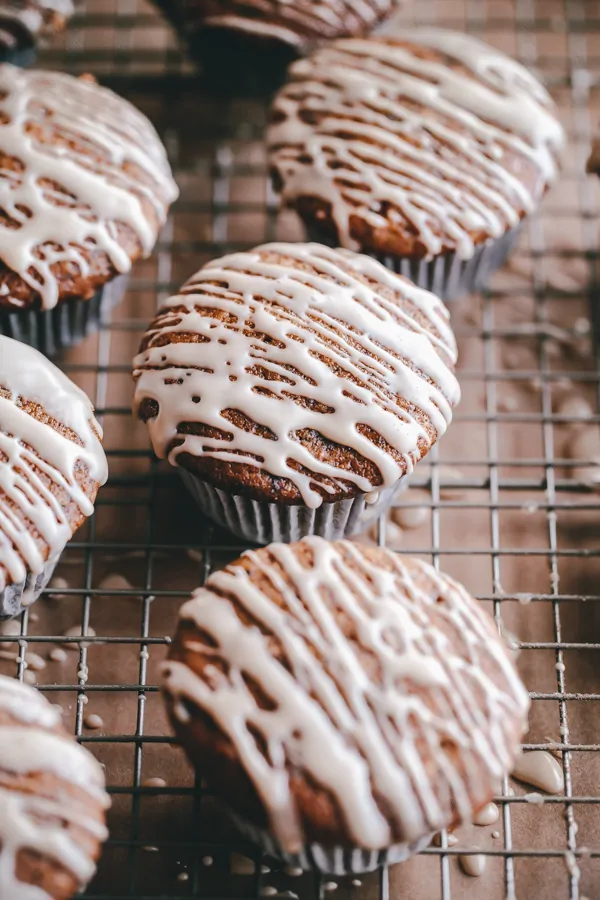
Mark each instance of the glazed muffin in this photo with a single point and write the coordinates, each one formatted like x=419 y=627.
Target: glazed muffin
x=296 y=386
x=51 y=466
x=25 y=22
x=344 y=702
x=84 y=189
x=249 y=43
x=52 y=800
x=424 y=151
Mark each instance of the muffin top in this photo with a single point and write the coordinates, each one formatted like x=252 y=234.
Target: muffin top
x=23 y=21
x=52 y=800
x=297 y=373
x=84 y=187
x=340 y=693
x=297 y=24
x=413 y=146
x=51 y=460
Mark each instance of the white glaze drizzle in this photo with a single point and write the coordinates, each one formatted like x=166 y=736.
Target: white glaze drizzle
x=27 y=504
x=28 y=821
x=295 y=23
x=353 y=734
x=113 y=134
x=379 y=345
x=416 y=135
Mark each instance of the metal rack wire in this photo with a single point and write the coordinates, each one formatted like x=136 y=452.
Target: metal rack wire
x=506 y=500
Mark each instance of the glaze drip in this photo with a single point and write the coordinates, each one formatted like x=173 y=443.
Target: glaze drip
x=31 y=742
x=330 y=325
x=114 y=170
x=37 y=461
x=410 y=144
x=432 y=731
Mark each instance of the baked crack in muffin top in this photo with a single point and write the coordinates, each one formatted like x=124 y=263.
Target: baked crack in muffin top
x=420 y=145
x=84 y=187
x=297 y=373
x=343 y=694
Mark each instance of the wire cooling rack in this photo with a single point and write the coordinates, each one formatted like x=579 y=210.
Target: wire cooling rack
x=506 y=502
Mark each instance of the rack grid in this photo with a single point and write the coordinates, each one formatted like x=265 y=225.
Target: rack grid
x=508 y=502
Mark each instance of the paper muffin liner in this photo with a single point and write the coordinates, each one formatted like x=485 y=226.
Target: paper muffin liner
x=264 y=523
x=241 y=64
x=233 y=61
x=52 y=330
x=330 y=860
x=15 y=598
x=448 y=276
x=23 y=57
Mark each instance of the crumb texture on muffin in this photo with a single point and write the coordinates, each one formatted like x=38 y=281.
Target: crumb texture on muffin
x=419 y=145
x=291 y=23
x=23 y=21
x=51 y=460
x=357 y=697
x=84 y=187
x=297 y=373
x=52 y=800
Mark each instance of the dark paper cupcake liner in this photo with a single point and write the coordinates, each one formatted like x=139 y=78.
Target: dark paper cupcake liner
x=448 y=276
x=264 y=523
x=67 y=324
x=240 y=64
x=15 y=598
x=23 y=57
x=231 y=60
x=330 y=860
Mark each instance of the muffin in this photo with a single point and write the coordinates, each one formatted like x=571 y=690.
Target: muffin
x=247 y=44
x=51 y=466
x=344 y=702
x=425 y=151
x=84 y=188
x=296 y=387
x=24 y=22
x=52 y=800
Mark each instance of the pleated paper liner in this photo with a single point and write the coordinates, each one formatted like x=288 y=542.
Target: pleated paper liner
x=264 y=523
x=330 y=860
x=448 y=276
x=69 y=323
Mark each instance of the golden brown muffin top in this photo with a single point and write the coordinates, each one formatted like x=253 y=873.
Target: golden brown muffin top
x=420 y=145
x=340 y=693
x=297 y=373
x=51 y=460
x=84 y=187
x=52 y=799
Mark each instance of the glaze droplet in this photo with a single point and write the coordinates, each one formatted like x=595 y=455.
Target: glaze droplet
x=540 y=769
x=473 y=865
